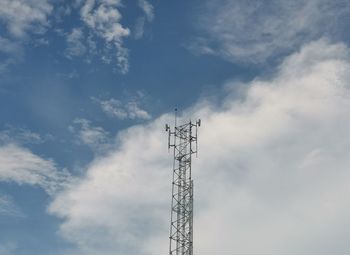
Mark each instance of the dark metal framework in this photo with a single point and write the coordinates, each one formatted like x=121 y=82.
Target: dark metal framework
x=183 y=140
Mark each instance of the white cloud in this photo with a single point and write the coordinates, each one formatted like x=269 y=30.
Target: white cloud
x=272 y=175
x=94 y=137
x=75 y=45
x=124 y=110
x=253 y=31
x=120 y=210
x=23 y=16
x=21 y=166
x=103 y=18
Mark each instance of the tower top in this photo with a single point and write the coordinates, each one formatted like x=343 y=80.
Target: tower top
x=183 y=139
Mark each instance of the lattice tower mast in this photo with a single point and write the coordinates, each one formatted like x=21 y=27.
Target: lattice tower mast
x=183 y=140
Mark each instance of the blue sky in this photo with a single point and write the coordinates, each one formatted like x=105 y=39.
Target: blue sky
x=86 y=87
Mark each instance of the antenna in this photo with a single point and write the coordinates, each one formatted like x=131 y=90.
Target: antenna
x=181 y=222
x=175 y=114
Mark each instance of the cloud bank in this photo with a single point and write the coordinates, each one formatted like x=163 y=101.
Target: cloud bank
x=272 y=176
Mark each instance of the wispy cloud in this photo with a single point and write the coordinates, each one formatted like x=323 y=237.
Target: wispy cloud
x=148 y=11
x=99 y=33
x=20 y=165
x=20 y=18
x=9 y=47
x=124 y=109
x=75 y=45
x=103 y=19
x=17 y=135
x=273 y=171
x=94 y=137
x=23 y=16
x=130 y=110
x=255 y=31
x=10 y=51
x=8 y=207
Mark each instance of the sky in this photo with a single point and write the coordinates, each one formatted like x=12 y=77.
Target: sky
x=87 y=86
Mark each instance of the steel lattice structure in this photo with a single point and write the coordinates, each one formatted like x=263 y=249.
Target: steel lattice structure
x=183 y=140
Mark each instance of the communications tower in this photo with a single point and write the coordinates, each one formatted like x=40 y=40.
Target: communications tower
x=183 y=140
